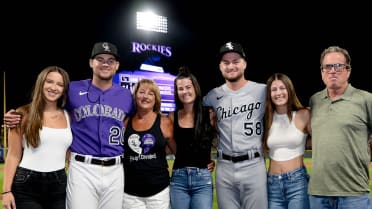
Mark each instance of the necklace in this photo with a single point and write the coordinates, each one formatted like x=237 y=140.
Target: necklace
x=52 y=115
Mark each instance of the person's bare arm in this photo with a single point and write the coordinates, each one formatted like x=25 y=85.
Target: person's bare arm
x=168 y=150
x=166 y=126
x=302 y=122
x=213 y=117
x=13 y=158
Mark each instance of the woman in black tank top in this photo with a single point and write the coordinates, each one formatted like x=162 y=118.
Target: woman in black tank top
x=191 y=182
x=147 y=134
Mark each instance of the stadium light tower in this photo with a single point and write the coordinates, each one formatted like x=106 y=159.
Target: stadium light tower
x=152 y=22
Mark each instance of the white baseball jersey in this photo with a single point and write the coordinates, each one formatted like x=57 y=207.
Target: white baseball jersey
x=239 y=116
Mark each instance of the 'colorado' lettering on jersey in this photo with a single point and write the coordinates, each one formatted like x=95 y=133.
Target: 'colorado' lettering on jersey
x=98 y=110
x=239 y=116
x=103 y=112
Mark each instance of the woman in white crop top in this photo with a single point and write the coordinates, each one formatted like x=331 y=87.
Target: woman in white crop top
x=287 y=129
x=34 y=172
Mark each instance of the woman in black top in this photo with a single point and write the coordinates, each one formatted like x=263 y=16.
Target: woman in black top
x=191 y=184
x=147 y=134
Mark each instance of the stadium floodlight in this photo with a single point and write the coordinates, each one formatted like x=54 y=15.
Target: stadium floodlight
x=152 y=22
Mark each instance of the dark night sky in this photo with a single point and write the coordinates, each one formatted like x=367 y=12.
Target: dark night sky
x=276 y=37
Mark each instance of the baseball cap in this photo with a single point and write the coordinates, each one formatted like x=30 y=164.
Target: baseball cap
x=231 y=47
x=105 y=48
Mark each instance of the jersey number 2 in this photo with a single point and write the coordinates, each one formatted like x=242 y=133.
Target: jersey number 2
x=116 y=135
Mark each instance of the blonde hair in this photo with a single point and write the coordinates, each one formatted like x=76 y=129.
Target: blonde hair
x=154 y=87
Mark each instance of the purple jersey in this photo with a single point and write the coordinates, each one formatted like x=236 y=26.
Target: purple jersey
x=97 y=118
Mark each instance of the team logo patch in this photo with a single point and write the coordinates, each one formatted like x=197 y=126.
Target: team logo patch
x=229 y=45
x=134 y=143
x=148 y=142
x=106 y=47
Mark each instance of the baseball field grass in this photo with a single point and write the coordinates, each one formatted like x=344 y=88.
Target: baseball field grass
x=307 y=163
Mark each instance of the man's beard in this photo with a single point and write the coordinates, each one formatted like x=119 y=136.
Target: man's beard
x=235 y=79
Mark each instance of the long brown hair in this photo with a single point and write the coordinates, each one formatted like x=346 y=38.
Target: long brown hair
x=293 y=103
x=32 y=113
x=204 y=133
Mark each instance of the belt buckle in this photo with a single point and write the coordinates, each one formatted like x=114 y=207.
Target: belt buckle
x=107 y=162
x=239 y=158
x=96 y=161
x=235 y=159
x=103 y=162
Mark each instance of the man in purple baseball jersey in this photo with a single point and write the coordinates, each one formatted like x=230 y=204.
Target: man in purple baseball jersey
x=239 y=105
x=98 y=108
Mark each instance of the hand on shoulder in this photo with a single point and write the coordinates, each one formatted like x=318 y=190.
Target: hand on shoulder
x=12 y=118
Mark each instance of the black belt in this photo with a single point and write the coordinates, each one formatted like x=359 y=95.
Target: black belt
x=107 y=162
x=239 y=158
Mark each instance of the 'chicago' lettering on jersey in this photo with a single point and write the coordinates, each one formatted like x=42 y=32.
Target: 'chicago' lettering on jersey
x=224 y=113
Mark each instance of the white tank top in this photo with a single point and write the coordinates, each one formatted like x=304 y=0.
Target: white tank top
x=285 y=141
x=50 y=155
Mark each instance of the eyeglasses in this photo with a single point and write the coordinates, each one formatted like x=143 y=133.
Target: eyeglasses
x=338 y=67
x=103 y=61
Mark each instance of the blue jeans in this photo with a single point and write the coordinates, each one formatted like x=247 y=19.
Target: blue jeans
x=288 y=190
x=337 y=202
x=191 y=188
x=39 y=190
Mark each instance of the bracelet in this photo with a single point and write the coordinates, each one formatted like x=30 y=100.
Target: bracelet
x=6 y=192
